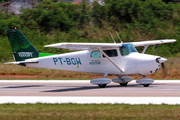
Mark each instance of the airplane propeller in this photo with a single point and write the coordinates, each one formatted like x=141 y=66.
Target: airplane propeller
x=164 y=69
x=161 y=61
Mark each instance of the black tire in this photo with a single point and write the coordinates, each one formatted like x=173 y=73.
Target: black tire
x=146 y=85
x=102 y=85
x=123 y=84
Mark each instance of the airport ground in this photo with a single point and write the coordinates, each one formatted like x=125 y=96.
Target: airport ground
x=66 y=111
x=51 y=90
x=83 y=88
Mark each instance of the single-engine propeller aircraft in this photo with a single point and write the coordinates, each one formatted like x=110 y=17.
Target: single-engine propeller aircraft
x=121 y=59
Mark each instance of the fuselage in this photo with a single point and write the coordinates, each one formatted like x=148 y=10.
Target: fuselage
x=92 y=61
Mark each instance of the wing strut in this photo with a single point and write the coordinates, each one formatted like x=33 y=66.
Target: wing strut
x=110 y=60
x=144 y=50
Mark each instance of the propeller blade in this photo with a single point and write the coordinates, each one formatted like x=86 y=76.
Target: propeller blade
x=164 y=70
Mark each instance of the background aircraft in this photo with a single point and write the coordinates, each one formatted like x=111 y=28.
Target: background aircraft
x=120 y=59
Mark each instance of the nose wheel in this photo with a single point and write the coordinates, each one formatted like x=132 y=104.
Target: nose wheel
x=102 y=85
x=146 y=85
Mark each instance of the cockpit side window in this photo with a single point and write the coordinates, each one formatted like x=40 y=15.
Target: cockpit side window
x=126 y=49
x=111 y=53
x=95 y=54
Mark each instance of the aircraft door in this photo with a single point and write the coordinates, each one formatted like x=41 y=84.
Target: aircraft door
x=107 y=66
x=94 y=63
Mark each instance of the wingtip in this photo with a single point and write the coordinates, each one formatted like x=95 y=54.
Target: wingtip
x=173 y=40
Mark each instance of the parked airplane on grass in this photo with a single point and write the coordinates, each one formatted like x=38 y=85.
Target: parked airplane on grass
x=120 y=59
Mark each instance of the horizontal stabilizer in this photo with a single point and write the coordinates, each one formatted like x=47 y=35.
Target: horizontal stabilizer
x=22 y=62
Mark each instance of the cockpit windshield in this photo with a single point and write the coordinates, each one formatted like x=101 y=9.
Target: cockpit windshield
x=127 y=48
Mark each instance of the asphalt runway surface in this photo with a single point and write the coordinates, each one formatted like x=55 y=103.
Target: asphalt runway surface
x=83 y=88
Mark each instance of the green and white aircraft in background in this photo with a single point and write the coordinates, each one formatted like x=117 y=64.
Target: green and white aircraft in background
x=120 y=59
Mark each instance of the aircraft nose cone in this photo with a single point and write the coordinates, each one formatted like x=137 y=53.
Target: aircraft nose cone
x=161 y=60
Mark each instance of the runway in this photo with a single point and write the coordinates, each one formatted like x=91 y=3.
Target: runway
x=75 y=91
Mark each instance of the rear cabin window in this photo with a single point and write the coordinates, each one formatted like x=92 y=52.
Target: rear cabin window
x=95 y=54
x=111 y=53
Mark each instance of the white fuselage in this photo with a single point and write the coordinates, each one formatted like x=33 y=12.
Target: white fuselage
x=82 y=61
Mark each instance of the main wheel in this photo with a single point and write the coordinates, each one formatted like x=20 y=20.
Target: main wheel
x=102 y=85
x=123 y=84
x=146 y=85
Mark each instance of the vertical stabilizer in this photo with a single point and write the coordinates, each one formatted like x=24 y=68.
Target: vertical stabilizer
x=21 y=47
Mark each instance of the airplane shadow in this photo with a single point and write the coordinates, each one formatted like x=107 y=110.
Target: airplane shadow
x=88 y=88
x=24 y=86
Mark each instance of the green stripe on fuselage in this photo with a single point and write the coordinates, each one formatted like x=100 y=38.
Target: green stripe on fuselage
x=45 y=54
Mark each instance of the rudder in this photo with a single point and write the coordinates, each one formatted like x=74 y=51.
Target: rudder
x=21 y=47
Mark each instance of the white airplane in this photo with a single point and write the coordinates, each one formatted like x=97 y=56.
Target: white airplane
x=120 y=59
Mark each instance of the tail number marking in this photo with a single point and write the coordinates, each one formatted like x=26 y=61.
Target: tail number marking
x=68 y=61
x=25 y=54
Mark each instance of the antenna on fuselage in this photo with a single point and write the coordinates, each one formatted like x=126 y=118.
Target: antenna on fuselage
x=119 y=37
x=112 y=37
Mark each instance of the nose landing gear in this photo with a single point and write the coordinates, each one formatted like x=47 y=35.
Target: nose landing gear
x=145 y=81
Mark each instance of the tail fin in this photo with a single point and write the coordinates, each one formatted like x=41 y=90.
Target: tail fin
x=21 y=47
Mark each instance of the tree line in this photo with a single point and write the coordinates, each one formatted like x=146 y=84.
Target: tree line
x=135 y=20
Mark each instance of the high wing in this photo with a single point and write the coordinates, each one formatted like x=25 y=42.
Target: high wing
x=83 y=46
x=89 y=46
x=152 y=42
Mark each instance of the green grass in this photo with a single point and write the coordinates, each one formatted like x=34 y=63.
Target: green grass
x=88 y=112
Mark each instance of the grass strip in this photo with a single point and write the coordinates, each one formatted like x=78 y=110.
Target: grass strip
x=41 y=111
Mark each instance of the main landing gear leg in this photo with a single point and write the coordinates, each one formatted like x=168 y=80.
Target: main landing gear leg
x=102 y=84
x=123 y=82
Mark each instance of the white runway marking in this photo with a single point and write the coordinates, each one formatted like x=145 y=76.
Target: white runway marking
x=91 y=100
